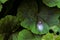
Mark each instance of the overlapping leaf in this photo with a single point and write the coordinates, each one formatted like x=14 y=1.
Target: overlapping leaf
x=43 y=13
x=58 y=3
x=52 y=3
x=50 y=16
x=27 y=9
x=48 y=36
x=24 y=35
x=37 y=37
x=27 y=35
x=27 y=14
x=53 y=19
x=8 y=24
x=31 y=25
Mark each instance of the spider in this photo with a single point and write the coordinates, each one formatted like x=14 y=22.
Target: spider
x=40 y=26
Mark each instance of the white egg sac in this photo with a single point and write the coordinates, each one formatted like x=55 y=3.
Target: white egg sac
x=40 y=26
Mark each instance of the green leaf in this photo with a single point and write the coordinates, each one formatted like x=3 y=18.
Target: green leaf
x=55 y=28
x=8 y=24
x=58 y=4
x=43 y=13
x=57 y=37
x=48 y=36
x=50 y=16
x=50 y=3
x=31 y=25
x=23 y=35
x=27 y=9
x=37 y=37
x=53 y=19
x=3 y=1
x=27 y=14
x=13 y=36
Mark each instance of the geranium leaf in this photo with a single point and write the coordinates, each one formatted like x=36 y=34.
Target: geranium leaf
x=23 y=35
